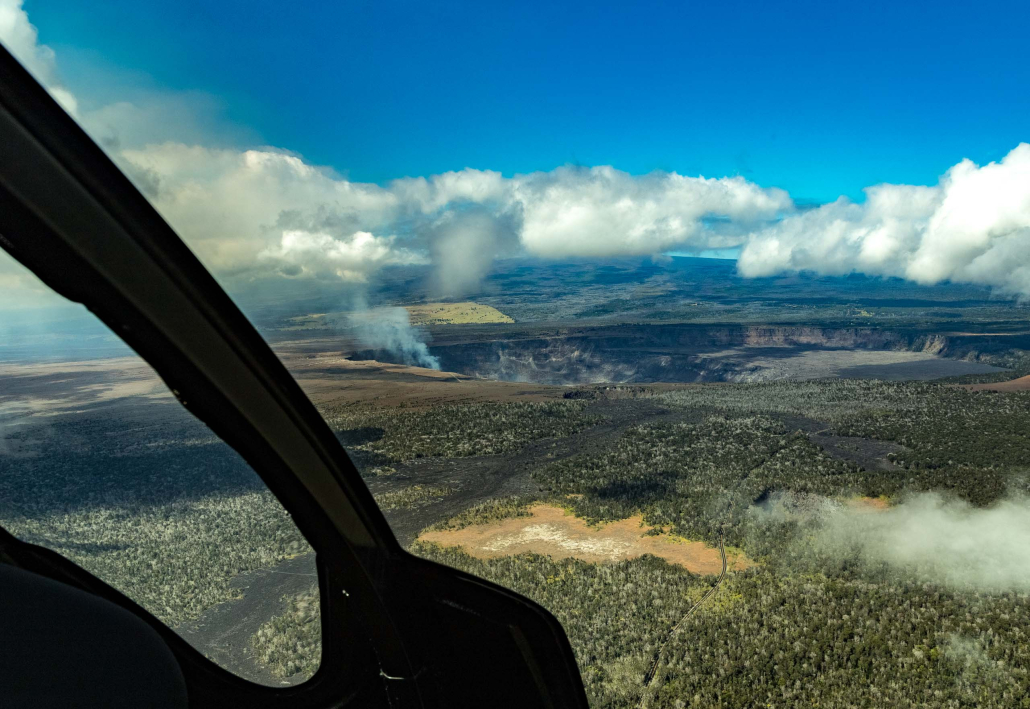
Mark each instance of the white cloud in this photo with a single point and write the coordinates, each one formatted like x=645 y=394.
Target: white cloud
x=602 y=211
x=147 y=116
x=464 y=245
x=22 y=39
x=232 y=205
x=439 y=191
x=303 y=253
x=972 y=227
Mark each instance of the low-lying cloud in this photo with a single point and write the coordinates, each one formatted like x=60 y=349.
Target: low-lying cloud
x=464 y=245
x=947 y=541
x=927 y=537
x=264 y=211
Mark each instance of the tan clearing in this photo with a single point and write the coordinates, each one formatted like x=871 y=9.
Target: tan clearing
x=556 y=533
x=465 y=313
x=1021 y=384
x=70 y=385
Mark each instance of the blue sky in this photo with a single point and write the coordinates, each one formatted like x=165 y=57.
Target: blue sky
x=328 y=143
x=820 y=99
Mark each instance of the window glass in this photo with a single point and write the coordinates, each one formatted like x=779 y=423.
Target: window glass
x=99 y=462
x=644 y=312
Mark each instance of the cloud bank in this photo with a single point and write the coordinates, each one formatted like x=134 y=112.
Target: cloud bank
x=253 y=212
x=233 y=205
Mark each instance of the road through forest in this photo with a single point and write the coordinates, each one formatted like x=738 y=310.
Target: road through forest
x=653 y=670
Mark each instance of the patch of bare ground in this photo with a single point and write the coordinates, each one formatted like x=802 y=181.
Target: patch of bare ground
x=1021 y=384
x=56 y=387
x=329 y=378
x=554 y=532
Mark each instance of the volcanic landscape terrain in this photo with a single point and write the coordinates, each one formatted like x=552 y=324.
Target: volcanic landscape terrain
x=591 y=437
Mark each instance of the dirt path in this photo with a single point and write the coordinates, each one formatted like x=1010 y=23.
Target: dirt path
x=869 y=453
x=652 y=671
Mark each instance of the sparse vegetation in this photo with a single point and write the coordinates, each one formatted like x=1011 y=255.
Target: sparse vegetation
x=411 y=497
x=177 y=559
x=486 y=512
x=158 y=508
x=454 y=431
x=145 y=497
x=697 y=479
x=823 y=400
x=774 y=639
x=614 y=614
x=464 y=313
x=951 y=427
x=291 y=643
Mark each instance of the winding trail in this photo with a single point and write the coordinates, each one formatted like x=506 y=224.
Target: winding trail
x=653 y=669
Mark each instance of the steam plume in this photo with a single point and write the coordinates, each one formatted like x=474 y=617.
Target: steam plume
x=390 y=330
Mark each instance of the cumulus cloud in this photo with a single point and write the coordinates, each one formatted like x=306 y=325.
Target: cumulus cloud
x=247 y=211
x=354 y=258
x=147 y=116
x=437 y=192
x=972 y=227
x=230 y=205
x=602 y=211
